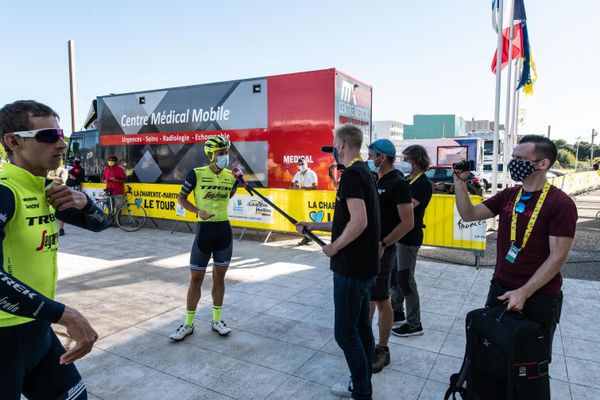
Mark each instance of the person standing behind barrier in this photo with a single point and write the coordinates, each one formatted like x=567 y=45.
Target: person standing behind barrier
x=305 y=178
x=76 y=174
x=60 y=176
x=395 y=203
x=114 y=176
x=536 y=228
x=354 y=253
x=404 y=286
x=213 y=185
x=33 y=362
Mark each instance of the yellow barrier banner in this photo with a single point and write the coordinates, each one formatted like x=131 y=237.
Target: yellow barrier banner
x=445 y=228
x=577 y=181
x=443 y=225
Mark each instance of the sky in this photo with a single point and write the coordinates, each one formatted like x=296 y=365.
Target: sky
x=421 y=57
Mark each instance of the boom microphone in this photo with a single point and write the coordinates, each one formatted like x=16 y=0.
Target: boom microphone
x=239 y=176
x=327 y=149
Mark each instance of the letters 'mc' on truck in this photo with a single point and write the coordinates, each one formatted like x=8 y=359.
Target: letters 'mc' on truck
x=271 y=122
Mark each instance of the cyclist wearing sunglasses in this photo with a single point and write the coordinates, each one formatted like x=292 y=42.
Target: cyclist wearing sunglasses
x=535 y=231
x=33 y=362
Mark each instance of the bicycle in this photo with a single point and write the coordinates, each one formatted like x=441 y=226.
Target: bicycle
x=130 y=217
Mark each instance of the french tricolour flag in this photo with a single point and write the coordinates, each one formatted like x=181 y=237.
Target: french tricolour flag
x=520 y=40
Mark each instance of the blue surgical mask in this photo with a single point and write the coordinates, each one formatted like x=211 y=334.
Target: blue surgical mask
x=371 y=164
x=222 y=161
x=405 y=167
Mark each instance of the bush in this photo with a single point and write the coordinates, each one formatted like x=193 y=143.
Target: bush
x=566 y=159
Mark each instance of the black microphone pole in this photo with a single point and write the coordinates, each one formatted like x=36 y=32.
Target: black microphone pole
x=238 y=174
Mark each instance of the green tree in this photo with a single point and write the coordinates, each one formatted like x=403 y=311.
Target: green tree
x=566 y=159
x=560 y=143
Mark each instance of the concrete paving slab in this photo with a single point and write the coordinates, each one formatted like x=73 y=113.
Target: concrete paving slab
x=584 y=393
x=299 y=389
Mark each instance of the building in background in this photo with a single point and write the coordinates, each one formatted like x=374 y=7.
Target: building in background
x=435 y=126
x=482 y=125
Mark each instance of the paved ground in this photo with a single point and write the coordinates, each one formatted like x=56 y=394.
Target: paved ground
x=279 y=303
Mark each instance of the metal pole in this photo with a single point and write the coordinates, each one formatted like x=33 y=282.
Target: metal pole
x=549 y=126
x=515 y=121
x=509 y=95
x=73 y=87
x=497 y=103
x=594 y=133
x=577 y=153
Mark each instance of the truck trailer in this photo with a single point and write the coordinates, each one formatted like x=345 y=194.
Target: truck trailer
x=158 y=135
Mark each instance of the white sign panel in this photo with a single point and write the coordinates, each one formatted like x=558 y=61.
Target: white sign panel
x=474 y=230
x=243 y=207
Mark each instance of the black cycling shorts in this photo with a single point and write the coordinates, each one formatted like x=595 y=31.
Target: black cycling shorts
x=212 y=239
x=29 y=365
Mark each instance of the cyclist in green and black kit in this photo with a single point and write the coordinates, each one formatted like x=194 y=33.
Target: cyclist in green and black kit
x=212 y=186
x=32 y=360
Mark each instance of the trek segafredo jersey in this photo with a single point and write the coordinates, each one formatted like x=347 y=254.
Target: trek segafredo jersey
x=211 y=191
x=29 y=248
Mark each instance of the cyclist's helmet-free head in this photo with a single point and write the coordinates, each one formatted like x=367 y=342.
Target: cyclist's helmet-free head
x=215 y=143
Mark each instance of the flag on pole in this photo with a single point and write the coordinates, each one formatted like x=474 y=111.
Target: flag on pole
x=528 y=72
x=518 y=16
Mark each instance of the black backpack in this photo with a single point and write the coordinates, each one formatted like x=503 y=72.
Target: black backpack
x=506 y=358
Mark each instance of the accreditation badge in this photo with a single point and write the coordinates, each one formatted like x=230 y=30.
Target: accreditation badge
x=512 y=253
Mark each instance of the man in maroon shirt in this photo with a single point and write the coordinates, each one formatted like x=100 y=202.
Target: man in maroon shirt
x=114 y=176
x=536 y=229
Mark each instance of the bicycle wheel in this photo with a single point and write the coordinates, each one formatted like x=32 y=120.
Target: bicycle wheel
x=131 y=217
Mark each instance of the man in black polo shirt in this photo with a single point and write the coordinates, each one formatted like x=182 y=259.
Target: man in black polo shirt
x=354 y=252
x=395 y=203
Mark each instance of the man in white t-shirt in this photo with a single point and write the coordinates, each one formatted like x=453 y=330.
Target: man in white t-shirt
x=305 y=179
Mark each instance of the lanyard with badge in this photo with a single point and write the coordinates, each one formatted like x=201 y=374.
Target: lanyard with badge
x=514 y=251
x=415 y=178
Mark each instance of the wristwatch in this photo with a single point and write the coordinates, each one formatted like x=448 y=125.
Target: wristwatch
x=383 y=243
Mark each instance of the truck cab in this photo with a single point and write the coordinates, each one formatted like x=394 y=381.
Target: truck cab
x=86 y=145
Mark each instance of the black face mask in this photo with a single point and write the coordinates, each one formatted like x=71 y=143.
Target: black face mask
x=520 y=169
x=336 y=155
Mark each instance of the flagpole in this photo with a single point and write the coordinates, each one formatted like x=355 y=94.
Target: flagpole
x=498 y=93
x=509 y=94
x=517 y=94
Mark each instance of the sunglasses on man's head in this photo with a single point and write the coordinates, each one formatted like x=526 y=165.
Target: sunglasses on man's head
x=520 y=207
x=45 y=135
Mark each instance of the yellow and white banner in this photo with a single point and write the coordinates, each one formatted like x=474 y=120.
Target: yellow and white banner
x=443 y=225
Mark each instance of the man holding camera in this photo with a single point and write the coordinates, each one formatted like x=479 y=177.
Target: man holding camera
x=536 y=229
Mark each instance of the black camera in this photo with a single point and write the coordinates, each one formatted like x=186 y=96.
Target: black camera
x=464 y=165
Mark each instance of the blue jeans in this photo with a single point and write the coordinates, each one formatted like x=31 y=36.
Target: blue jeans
x=353 y=331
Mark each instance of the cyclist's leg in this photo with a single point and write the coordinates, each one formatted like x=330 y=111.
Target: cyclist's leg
x=222 y=253
x=53 y=381
x=13 y=360
x=198 y=262
x=221 y=259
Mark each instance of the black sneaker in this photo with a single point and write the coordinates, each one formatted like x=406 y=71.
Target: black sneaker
x=61 y=232
x=406 y=330
x=304 y=241
x=399 y=319
x=381 y=359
